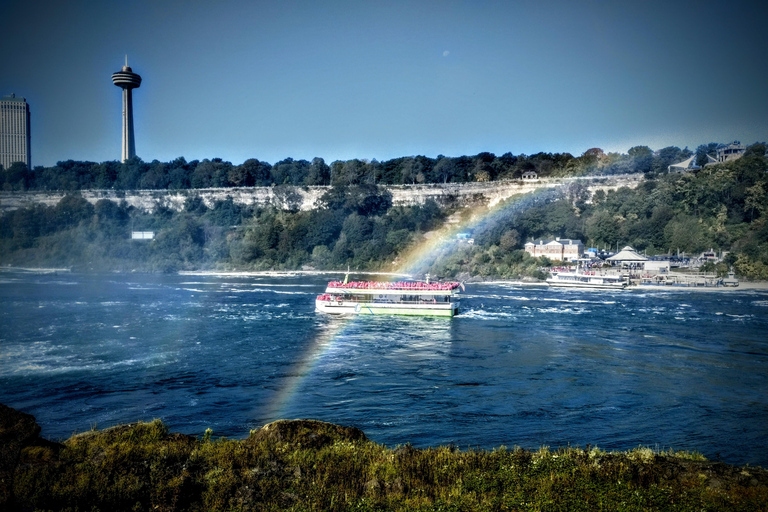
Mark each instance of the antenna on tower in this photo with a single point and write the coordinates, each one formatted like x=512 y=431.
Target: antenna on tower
x=126 y=60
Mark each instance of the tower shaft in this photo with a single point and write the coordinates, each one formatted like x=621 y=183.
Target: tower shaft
x=129 y=145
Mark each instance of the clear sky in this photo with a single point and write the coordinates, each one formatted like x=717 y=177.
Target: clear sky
x=382 y=79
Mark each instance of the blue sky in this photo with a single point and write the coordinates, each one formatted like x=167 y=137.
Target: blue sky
x=340 y=80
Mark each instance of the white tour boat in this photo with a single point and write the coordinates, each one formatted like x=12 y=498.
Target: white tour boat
x=420 y=298
x=587 y=279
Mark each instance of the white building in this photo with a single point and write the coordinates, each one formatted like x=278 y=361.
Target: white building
x=628 y=257
x=727 y=153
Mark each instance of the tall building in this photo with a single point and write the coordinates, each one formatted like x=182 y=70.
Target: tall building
x=14 y=131
x=127 y=80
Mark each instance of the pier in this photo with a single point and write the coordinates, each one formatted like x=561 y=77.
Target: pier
x=692 y=279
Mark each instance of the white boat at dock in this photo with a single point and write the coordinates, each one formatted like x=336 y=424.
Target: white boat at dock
x=418 y=298
x=730 y=280
x=587 y=279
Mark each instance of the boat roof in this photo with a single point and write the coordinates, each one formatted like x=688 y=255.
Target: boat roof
x=396 y=288
x=354 y=291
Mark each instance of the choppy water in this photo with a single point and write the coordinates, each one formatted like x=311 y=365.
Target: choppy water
x=525 y=366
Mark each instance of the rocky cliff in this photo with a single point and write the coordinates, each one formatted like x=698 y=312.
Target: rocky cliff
x=307 y=198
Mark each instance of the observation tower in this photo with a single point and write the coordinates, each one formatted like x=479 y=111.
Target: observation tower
x=127 y=80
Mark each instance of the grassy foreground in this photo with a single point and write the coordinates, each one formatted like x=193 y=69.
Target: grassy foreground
x=311 y=465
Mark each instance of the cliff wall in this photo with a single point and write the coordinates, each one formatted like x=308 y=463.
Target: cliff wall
x=307 y=198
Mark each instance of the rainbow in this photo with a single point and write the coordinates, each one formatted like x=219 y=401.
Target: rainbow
x=422 y=256
x=323 y=345
x=416 y=261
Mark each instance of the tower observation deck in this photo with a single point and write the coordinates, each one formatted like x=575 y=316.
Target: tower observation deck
x=127 y=80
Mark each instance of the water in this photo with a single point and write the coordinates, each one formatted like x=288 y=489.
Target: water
x=526 y=366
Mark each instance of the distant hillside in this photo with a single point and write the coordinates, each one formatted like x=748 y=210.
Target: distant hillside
x=723 y=207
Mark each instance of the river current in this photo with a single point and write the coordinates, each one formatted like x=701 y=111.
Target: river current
x=522 y=365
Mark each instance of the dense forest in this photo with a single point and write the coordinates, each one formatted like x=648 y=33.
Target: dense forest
x=722 y=206
x=180 y=174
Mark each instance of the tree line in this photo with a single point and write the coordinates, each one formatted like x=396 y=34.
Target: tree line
x=178 y=174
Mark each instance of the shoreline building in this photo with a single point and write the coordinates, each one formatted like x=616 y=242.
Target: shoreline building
x=557 y=249
x=127 y=80
x=15 y=142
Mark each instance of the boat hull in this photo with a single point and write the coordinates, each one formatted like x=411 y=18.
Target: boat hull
x=589 y=286
x=371 y=308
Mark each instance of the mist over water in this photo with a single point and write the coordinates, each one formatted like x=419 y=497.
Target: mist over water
x=525 y=366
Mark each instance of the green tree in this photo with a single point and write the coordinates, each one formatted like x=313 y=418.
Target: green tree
x=156 y=177
x=604 y=229
x=357 y=229
x=685 y=233
x=443 y=170
x=226 y=213
x=322 y=228
x=411 y=171
x=184 y=240
x=321 y=256
x=17 y=177
x=290 y=172
x=318 y=173
x=668 y=156
x=105 y=175
x=129 y=174
x=756 y=199
x=71 y=210
x=195 y=204
x=110 y=219
x=590 y=159
x=363 y=199
x=178 y=176
x=509 y=240
x=347 y=173
x=202 y=176
x=399 y=239
x=642 y=158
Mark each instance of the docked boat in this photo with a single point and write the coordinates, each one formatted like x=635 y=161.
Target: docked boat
x=418 y=298
x=687 y=280
x=731 y=280
x=587 y=279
